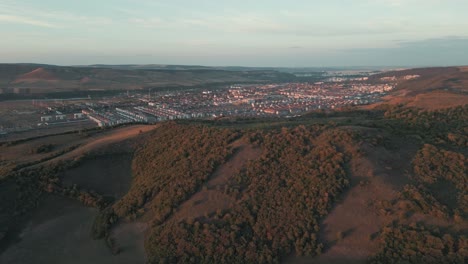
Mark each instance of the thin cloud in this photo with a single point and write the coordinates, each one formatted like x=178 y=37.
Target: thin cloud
x=264 y=25
x=436 y=42
x=436 y=51
x=392 y=2
x=26 y=21
x=45 y=18
x=152 y=22
x=403 y=3
x=447 y=41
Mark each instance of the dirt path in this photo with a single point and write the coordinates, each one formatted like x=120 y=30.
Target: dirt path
x=103 y=139
x=212 y=197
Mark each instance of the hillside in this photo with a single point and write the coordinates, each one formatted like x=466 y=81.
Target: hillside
x=49 y=78
x=431 y=88
x=37 y=75
x=339 y=187
x=315 y=189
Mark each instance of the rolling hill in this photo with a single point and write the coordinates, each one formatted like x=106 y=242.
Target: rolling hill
x=49 y=78
x=38 y=75
x=433 y=88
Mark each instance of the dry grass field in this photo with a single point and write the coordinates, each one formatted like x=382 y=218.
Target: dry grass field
x=66 y=224
x=58 y=231
x=436 y=88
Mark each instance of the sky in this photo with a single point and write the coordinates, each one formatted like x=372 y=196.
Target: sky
x=275 y=33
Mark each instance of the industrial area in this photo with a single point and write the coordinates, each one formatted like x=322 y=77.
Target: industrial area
x=148 y=106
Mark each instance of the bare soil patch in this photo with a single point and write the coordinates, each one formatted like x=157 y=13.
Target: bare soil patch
x=39 y=74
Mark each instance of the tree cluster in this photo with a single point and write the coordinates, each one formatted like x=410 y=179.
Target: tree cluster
x=172 y=167
x=417 y=244
x=436 y=168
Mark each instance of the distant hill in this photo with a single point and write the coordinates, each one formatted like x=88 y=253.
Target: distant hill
x=429 y=88
x=9 y=72
x=37 y=75
x=50 y=78
x=235 y=68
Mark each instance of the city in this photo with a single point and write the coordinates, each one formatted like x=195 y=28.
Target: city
x=238 y=100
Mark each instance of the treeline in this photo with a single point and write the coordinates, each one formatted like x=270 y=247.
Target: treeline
x=451 y=118
x=281 y=198
x=32 y=183
x=439 y=126
x=8 y=169
x=418 y=244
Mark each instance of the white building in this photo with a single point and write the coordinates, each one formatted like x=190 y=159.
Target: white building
x=46 y=118
x=60 y=117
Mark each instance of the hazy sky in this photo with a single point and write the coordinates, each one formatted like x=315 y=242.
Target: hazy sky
x=237 y=32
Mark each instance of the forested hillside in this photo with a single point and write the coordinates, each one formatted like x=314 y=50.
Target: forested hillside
x=282 y=195
x=281 y=198
x=387 y=185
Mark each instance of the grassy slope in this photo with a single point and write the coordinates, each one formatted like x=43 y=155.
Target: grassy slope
x=436 y=88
